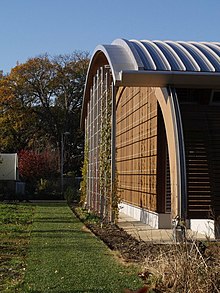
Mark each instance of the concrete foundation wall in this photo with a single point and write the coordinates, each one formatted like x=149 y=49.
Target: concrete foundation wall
x=163 y=221
x=203 y=226
x=155 y=220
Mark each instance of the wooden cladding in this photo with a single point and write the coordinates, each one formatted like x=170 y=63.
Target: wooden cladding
x=201 y=124
x=136 y=144
x=142 y=160
x=142 y=154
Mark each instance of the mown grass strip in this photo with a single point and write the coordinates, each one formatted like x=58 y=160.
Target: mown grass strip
x=15 y=220
x=65 y=257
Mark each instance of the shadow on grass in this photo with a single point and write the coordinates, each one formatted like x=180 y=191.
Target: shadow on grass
x=54 y=220
x=58 y=233
x=50 y=204
x=88 y=249
x=106 y=290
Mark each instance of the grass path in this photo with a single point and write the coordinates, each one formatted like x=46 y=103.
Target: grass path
x=64 y=257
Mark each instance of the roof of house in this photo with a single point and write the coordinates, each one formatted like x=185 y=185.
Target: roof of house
x=158 y=63
x=175 y=56
x=161 y=56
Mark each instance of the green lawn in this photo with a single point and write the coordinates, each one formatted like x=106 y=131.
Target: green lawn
x=64 y=257
x=15 y=223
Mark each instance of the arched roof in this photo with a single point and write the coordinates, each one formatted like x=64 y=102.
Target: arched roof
x=160 y=56
x=157 y=63
x=170 y=56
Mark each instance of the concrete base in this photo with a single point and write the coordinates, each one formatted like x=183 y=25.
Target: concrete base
x=203 y=226
x=155 y=220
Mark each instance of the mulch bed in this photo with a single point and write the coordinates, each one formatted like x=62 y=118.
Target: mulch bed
x=133 y=250
x=117 y=239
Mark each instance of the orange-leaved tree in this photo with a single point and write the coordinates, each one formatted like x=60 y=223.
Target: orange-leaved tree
x=40 y=100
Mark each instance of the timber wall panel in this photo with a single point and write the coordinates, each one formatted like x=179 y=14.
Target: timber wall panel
x=136 y=143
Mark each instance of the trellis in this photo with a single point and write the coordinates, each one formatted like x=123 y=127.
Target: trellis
x=99 y=137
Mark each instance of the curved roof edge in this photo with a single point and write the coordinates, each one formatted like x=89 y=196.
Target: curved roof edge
x=118 y=55
x=123 y=55
x=119 y=58
x=155 y=58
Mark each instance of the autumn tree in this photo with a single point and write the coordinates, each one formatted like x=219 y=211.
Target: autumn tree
x=16 y=121
x=34 y=166
x=40 y=100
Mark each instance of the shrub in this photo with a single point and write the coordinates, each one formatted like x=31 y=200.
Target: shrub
x=71 y=194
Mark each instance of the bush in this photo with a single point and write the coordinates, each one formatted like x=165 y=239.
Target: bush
x=86 y=217
x=71 y=194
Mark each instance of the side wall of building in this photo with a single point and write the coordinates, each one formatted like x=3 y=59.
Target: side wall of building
x=144 y=117
x=136 y=145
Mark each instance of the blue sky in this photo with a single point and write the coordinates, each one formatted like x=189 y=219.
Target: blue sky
x=32 y=27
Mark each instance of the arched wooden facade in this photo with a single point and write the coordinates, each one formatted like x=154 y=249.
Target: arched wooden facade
x=165 y=137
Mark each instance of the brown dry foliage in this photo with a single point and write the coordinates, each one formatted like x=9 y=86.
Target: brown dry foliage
x=185 y=268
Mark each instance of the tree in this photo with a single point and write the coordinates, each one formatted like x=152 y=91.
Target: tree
x=71 y=76
x=34 y=166
x=40 y=100
x=16 y=121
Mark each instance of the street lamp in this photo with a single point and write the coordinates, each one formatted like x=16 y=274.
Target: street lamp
x=61 y=158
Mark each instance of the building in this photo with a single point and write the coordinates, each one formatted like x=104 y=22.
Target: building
x=10 y=185
x=161 y=101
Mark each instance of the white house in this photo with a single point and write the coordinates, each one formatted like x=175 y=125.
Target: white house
x=9 y=167
x=9 y=175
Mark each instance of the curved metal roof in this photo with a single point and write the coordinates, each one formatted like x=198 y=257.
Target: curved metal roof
x=160 y=56
x=157 y=63
x=173 y=56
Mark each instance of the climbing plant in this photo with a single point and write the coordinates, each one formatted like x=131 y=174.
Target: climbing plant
x=83 y=184
x=115 y=198
x=106 y=199
x=105 y=157
x=108 y=189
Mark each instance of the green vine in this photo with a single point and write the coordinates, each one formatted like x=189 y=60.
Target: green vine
x=105 y=158
x=109 y=198
x=83 y=184
x=109 y=190
x=115 y=198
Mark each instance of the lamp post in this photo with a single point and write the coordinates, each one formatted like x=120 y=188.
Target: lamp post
x=62 y=158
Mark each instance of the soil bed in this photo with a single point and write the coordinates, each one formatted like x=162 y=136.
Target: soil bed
x=163 y=267
x=136 y=251
x=119 y=240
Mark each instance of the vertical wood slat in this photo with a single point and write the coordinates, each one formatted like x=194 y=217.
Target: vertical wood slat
x=136 y=142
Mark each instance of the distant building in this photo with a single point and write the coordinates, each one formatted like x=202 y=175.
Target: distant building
x=165 y=135
x=10 y=184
